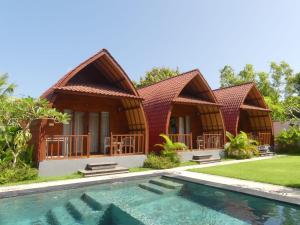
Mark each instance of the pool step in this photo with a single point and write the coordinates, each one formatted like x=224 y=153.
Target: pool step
x=40 y=221
x=61 y=216
x=99 y=166
x=102 y=172
x=158 y=189
x=90 y=199
x=166 y=183
x=84 y=213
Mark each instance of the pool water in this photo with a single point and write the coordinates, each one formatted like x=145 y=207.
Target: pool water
x=154 y=201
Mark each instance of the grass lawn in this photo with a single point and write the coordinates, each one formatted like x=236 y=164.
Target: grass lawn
x=138 y=169
x=46 y=179
x=283 y=171
x=77 y=175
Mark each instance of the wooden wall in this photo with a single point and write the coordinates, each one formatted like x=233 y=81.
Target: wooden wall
x=254 y=121
x=203 y=119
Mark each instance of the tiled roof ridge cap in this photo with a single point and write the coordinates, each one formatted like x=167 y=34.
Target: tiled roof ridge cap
x=233 y=86
x=182 y=74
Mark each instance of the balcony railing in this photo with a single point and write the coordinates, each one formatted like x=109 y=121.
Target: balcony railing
x=65 y=146
x=213 y=141
x=263 y=138
x=127 y=144
x=205 y=141
x=187 y=139
x=79 y=146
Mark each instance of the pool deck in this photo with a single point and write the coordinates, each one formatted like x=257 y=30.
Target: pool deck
x=276 y=192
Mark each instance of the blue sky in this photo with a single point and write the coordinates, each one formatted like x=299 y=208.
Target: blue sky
x=41 y=40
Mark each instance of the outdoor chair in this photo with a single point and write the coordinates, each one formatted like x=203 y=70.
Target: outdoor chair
x=128 y=144
x=200 y=142
x=106 y=144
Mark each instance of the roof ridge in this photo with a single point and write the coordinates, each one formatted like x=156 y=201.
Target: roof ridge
x=233 y=86
x=182 y=74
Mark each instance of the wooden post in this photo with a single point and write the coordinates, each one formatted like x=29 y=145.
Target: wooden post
x=111 y=142
x=88 y=145
x=191 y=141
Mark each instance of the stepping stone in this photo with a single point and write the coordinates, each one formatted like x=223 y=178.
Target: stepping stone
x=102 y=172
x=99 y=166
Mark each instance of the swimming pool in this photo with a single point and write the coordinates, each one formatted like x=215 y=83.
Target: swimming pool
x=156 y=200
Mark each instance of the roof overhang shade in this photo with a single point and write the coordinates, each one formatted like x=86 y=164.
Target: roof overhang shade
x=250 y=107
x=193 y=101
x=243 y=104
x=95 y=90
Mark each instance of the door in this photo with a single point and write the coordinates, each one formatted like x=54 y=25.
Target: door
x=105 y=134
x=94 y=132
x=78 y=130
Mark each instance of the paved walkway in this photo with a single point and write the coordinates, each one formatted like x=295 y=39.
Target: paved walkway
x=281 y=193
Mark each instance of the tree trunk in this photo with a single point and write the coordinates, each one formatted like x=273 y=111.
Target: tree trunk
x=15 y=159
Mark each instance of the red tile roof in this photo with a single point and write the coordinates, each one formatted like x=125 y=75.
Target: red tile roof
x=97 y=90
x=158 y=99
x=232 y=99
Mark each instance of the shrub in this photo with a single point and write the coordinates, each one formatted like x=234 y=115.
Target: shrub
x=11 y=174
x=240 y=146
x=167 y=157
x=288 y=141
x=155 y=161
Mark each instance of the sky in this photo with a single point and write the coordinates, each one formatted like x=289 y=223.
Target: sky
x=40 y=40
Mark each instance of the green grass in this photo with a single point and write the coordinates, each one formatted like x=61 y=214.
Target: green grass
x=283 y=171
x=188 y=163
x=46 y=179
x=138 y=169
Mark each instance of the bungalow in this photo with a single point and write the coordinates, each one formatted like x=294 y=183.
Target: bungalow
x=107 y=116
x=185 y=108
x=244 y=109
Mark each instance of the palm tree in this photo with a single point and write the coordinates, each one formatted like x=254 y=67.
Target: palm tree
x=5 y=87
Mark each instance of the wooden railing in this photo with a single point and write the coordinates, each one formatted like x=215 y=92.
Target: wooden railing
x=263 y=138
x=127 y=144
x=65 y=146
x=187 y=139
x=213 y=141
x=79 y=146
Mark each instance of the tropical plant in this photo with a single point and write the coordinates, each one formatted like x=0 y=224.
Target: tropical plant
x=240 y=146
x=169 y=148
x=16 y=117
x=5 y=87
x=288 y=140
x=19 y=173
x=155 y=75
x=167 y=157
x=156 y=161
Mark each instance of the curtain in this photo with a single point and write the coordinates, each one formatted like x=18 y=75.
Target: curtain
x=94 y=131
x=104 y=130
x=78 y=130
x=67 y=130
